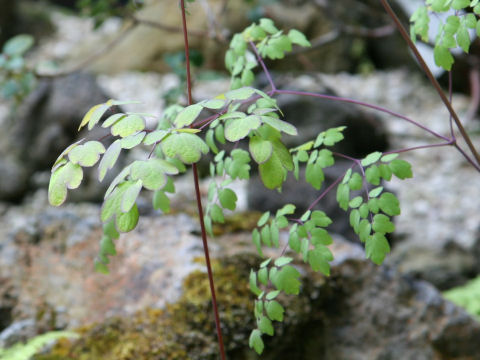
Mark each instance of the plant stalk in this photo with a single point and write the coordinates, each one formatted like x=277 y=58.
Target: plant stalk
x=198 y=196
x=432 y=79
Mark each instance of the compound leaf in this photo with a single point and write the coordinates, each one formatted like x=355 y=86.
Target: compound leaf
x=286 y=279
x=68 y=176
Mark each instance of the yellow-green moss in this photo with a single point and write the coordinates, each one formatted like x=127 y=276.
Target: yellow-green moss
x=183 y=330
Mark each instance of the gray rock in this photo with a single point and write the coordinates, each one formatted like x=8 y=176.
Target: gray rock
x=42 y=128
x=19 y=331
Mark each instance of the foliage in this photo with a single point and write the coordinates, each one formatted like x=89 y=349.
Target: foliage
x=466 y=296
x=248 y=114
x=16 y=79
x=458 y=26
x=34 y=345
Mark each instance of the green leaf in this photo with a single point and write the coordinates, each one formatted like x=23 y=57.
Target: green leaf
x=294 y=242
x=68 y=176
x=133 y=140
x=389 y=204
x=155 y=136
x=298 y=38
x=228 y=199
x=355 y=202
x=18 y=45
x=285 y=210
x=280 y=125
x=443 y=57
x=263 y=219
x=460 y=4
x=371 y=158
x=109 y=159
x=86 y=154
x=186 y=147
x=256 y=241
x=265 y=326
x=213 y=104
x=343 y=196
x=389 y=157
x=272 y=172
x=253 y=283
x=101 y=268
x=375 y=192
x=237 y=129
x=110 y=230
x=127 y=221
x=364 y=230
x=382 y=224
x=354 y=220
x=209 y=139
x=243 y=93
x=320 y=218
x=314 y=175
x=152 y=172
x=275 y=235
x=376 y=248
x=268 y=25
x=263 y=276
x=161 y=201
x=128 y=125
x=355 y=182
x=463 y=38
x=130 y=196
x=220 y=134
x=113 y=201
x=401 y=169
x=286 y=279
x=272 y=295
x=372 y=174
x=261 y=150
x=188 y=115
x=385 y=171
x=325 y=158
x=216 y=214
x=111 y=119
x=283 y=260
x=93 y=115
x=274 y=310
x=363 y=210
x=318 y=259
x=320 y=237
x=107 y=246
x=265 y=234
x=255 y=341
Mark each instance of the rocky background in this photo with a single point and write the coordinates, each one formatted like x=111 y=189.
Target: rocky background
x=395 y=311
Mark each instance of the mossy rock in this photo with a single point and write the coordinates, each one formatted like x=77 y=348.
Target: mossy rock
x=183 y=330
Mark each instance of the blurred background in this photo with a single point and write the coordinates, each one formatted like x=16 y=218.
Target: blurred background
x=61 y=57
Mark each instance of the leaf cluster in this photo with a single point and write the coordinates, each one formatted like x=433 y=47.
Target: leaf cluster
x=455 y=31
x=16 y=78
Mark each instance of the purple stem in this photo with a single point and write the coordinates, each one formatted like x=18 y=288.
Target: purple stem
x=361 y=103
x=198 y=196
x=264 y=67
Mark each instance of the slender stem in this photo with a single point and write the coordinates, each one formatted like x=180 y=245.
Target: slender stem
x=327 y=190
x=450 y=94
x=361 y=103
x=198 y=196
x=432 y=79
x=264 y=67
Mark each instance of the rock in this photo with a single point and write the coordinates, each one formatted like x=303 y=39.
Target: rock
x=42 y=128
x=361 y=312
x=19 y=331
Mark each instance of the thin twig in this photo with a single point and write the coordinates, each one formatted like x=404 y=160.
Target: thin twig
x=198 y=196
x=264 y=67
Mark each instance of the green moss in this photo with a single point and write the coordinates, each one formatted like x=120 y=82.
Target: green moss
x=183 y=330
x=467 y=296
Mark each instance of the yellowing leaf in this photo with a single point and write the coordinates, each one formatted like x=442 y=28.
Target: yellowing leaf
x=68 y=176
x=188 y=148
x=128 y=125
x=86 y=154
x=237 y=129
